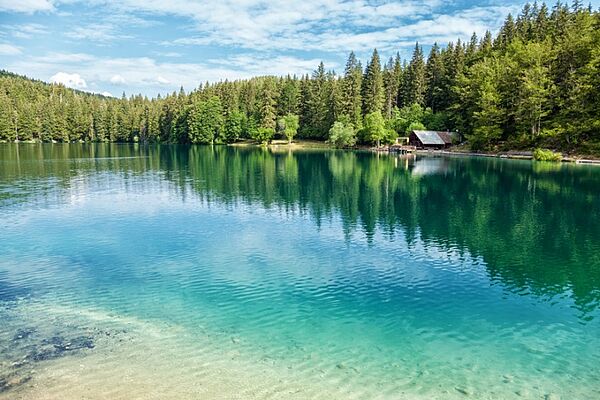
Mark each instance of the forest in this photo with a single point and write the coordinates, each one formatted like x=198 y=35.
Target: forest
x=536 y=83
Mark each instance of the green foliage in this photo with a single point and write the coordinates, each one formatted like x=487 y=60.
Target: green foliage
x=414 y=85
x=435 y=121
x=351 y=91
x=206 y=123
x=535 y=84
x=289 y=126
x=374 y=130
x=342 y=135
x=405 y=120
x=267 y=106
x=233 y=126
x=415 y=126
x=263 y=135
x=481 y=98
x=546 y=155
x=372 y=86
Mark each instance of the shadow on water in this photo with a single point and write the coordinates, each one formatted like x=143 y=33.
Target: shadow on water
x=536 y=226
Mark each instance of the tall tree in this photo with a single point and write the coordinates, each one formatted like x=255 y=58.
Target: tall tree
x=414 y=86
x=351 y=91
x=434 y=75
x=268 y=114
x=373 y=95
x=206 y=121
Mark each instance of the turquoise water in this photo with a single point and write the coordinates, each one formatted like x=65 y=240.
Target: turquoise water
x=198 y=272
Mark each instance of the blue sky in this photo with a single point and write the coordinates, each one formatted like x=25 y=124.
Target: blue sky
x=155 y=46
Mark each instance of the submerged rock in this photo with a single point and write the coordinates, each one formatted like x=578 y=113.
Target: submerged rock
x=43 y=354
x=23 y=333
x=57 y=346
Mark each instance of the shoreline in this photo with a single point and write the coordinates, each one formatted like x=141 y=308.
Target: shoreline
x=514 y=155
x=301 y=144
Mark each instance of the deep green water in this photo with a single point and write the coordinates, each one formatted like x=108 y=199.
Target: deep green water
x=368 y=275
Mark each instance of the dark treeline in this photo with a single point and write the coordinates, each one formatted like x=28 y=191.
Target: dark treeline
x=534 y=84
x=532 y=207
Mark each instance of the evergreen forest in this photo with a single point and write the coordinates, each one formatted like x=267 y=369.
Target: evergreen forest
x=536 y=83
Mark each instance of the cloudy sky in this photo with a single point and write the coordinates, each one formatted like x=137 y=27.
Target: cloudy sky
x=155 y=46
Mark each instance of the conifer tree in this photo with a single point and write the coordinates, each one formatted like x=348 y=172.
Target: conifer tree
x=373 y=95
x=414 y=82
x=268 y=115
x=206 y=121
x=351 y=91
x=434 y=75
x=6 y=120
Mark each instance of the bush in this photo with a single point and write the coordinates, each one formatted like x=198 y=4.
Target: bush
x=342 y=135
x=263 y=135
x=546 y=155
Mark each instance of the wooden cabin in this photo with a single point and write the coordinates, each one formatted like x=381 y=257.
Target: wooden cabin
x=426 y=140
x=433 y=139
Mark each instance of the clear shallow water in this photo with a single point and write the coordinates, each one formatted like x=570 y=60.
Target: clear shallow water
x=179 y=272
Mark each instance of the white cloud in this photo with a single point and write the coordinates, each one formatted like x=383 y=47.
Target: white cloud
x=9 y=49
x=327 y=25
x=251 y=37
x=71 y=80
x=150 y=76
x=25 y=31
x=107 y=94
x=117 y=79
x=170 y=54
x=256 y=64
x=26 y=6
x=67 y=58
x=104 y=32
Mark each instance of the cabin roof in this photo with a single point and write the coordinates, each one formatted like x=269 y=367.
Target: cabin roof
x=429 y=137
x=447 y=137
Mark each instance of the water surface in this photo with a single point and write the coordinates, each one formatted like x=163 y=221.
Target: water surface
x=211 y=272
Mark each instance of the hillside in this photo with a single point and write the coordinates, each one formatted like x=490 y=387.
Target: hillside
x=533 y=85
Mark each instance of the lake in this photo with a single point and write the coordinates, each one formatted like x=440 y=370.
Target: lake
x=173 y=272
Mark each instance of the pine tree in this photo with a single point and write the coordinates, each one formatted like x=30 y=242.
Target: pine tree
x=535 y=86
x=373 y=95
x=414 y=83
x=206 y=121
x=481 y=97
x=268 y=115
x=351 y=91
x=540 y=27
x=7 y=130
x=334 y=105
x=317 y=103
x=233 y=126
x=507 y=33
x=486 y=46
x=434 y=75
x=288 y=101
x=390 y=85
